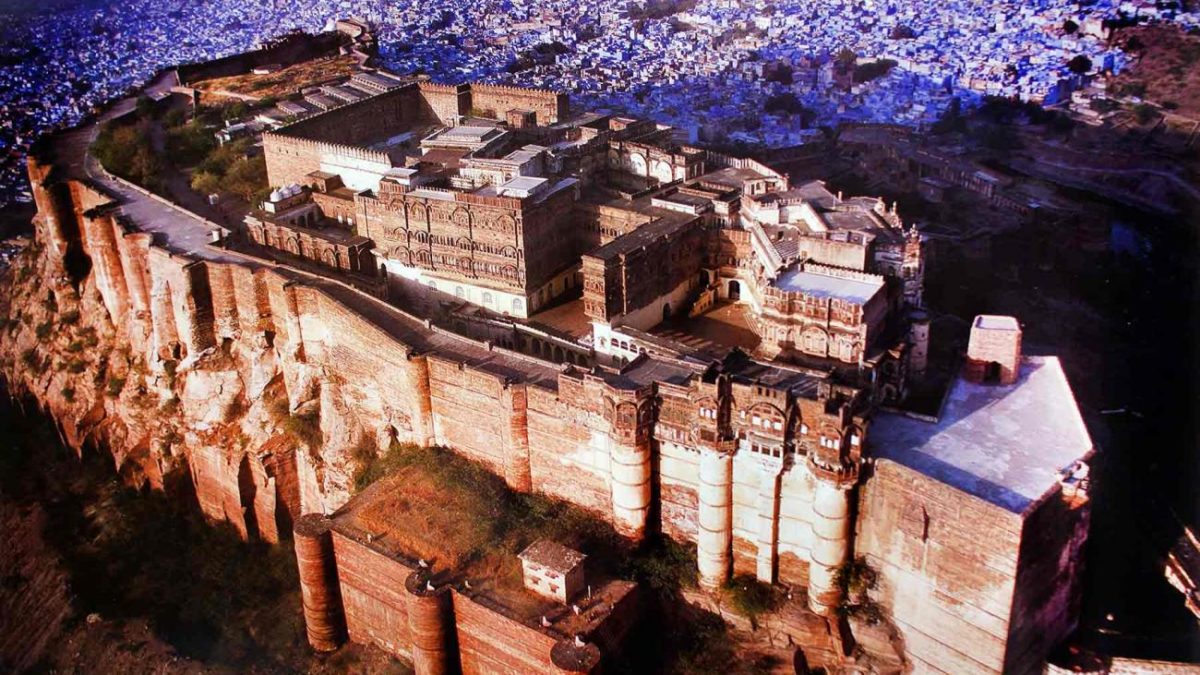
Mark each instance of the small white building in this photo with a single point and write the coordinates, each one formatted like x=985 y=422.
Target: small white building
x=552 y=570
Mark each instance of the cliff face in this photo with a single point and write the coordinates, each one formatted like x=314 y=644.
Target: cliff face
x=173 y=364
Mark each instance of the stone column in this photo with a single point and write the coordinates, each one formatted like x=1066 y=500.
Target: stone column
x=768 y=522
x=831 y=544
x=715 y=532
x=430 y=625
x=631 y=485
x=323 y=619
x=517 y=472
x=422 y=401
x=56 y=210
x=101 y=244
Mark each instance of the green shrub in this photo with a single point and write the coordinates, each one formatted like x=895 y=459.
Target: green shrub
x=76 y=366
x=75 y=347
x=68 y=394
x=750 y=597
x=42 y=331
x=665 y=566
x=69 y=318
x=115 y=386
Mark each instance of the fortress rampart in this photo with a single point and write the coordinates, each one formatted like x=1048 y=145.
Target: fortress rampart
x=655 y=446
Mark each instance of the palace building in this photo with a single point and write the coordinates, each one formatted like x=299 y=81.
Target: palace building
x=570 y=242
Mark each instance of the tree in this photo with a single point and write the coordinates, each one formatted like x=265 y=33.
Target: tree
x=1070 y=27
x=902 y=32
x=1079 y=65
x=247 y=178
x=846 y=57
x=145 y=106
x=1144 y=112
x=206 y=183
x=779 y=72
x=235 y=111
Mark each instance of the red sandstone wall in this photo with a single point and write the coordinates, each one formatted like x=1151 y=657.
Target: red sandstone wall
x=949 y=588
x=1049 y=581
x=491 y=643
x=467 y=414
x=496 y=100
x=373 y=596
x=446 y=102
x=557 y=437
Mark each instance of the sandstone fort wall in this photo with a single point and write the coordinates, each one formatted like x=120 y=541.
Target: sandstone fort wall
x=495 y=100
x=372 y=371
x=950 y=589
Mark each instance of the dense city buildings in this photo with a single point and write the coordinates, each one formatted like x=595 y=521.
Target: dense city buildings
x=709 y=68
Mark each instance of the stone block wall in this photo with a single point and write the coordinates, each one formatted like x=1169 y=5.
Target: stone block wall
x=949 y=587
x=496 y=100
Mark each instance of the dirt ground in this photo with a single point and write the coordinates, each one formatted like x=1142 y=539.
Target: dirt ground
x=284 y=82
x=1168 y=65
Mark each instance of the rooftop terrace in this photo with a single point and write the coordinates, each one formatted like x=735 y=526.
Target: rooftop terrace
x=1007 y=445
x=824 y=286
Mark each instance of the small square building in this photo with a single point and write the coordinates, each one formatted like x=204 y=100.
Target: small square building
x=552 y=570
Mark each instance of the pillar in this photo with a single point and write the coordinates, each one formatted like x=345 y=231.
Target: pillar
x=323 y=620
x=918 y=335
x=831 y=544
x=517 y=472
x=430 y=625
x=631 y=485
x=55 y=211
x=715 y=532
x=422 y=401
x=101 y=245
x=768 y=523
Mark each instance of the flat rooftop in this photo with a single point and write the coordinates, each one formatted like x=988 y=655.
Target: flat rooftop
x=1007 y=445
x=824 y=286
x=995 y=322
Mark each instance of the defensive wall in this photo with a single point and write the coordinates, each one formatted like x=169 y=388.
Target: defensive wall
x=355 y=589
x=594 y=438
x=292 y=49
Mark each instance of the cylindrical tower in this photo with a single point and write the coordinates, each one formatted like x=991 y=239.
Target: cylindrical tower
x=918 y=335
x=630 y=421
x=631 y=485
x=831 y=544
x=422 y=402
x=715 y=532
x=430 y=625
x=517 y=471
x=323 y=618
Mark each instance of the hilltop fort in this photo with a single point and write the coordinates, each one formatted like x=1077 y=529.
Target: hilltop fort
x=476 y=268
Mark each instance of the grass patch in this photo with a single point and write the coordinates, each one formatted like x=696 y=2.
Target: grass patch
x=115 y=386
x=857 y=578
x=304 y=427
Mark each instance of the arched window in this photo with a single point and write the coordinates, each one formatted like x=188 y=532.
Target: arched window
x=518 y=305
x=459 y=292
x=487 y=298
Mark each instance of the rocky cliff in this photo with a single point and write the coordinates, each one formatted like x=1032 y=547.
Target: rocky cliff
x=174 y=364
